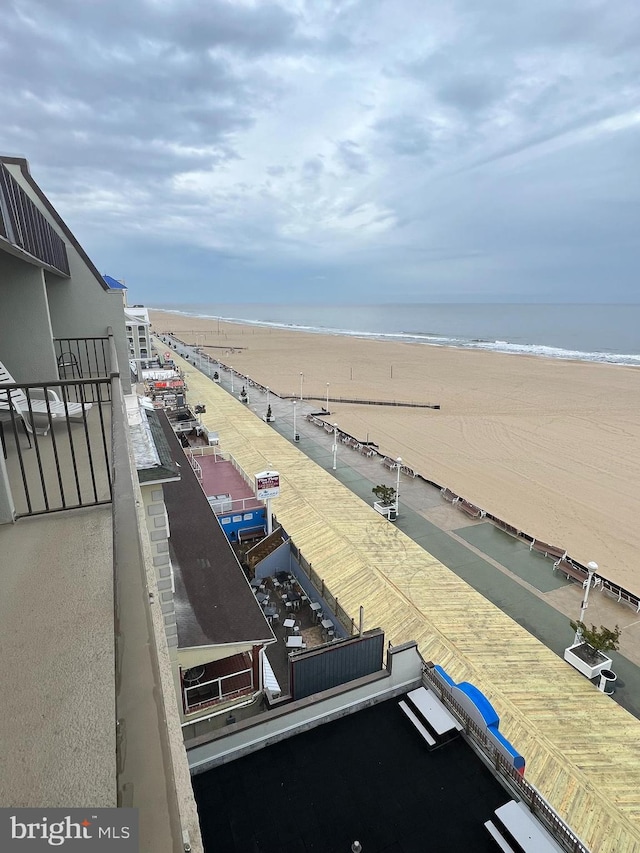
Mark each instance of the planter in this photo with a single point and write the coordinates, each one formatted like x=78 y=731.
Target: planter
x=268 y=420
x=389 y=512
x=579 y=658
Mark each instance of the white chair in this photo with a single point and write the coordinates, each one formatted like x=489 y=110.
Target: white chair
x=38 y=413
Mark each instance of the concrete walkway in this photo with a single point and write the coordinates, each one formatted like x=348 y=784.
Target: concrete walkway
x=521 y=583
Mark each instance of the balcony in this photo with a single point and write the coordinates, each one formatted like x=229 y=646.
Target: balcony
x=90 y=719
x=217 y=682
x=57 y=448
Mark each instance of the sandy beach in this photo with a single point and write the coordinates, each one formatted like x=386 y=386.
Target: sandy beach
x=549 y=446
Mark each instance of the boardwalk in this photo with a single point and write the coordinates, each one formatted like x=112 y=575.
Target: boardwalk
x=582 y=750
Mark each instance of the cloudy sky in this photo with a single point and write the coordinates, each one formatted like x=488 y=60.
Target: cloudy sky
x=324 y=150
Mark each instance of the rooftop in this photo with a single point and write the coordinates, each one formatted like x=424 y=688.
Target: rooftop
x=213 y=600
x=367 y=776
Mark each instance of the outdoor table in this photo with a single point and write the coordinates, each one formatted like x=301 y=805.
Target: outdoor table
x=326 y=624
x=315 y=606
x=263 y=598
x=256 y=583
x=294 y=642
x=271 y=610
x=289 y=623
x=294 y=598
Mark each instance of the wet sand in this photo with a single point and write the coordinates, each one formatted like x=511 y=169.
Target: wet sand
x=549 y=446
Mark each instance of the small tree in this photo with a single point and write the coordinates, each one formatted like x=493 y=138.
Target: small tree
x=385 y=494
x=601 y=639
x=216 y=375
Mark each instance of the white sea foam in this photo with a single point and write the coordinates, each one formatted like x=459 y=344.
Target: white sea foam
x=432 y=339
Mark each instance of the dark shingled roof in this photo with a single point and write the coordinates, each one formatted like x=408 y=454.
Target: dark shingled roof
x=213 y=600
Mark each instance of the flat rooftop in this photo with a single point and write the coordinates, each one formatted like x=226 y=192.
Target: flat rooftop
x=366 y=777
x=221 y=478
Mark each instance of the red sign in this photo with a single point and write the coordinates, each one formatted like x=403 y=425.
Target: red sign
x=267 y=485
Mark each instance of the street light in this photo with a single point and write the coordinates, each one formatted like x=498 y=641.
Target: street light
x=327 y=407
x=592 y=568
x=398 y=466
x=301 y=381
x=231 y=369
x=335 y=446
x=295 y=431
x=267 y=396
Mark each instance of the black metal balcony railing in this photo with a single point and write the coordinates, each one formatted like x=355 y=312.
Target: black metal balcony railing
x=82 y=358
x=56 y=442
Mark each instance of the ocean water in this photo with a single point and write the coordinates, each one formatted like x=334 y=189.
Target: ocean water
x=603 y=333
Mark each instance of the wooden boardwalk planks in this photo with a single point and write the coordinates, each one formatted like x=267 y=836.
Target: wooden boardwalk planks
x=582 y=749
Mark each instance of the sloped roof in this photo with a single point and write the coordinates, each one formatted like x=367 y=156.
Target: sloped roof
x=113 y=283
x=214 y=602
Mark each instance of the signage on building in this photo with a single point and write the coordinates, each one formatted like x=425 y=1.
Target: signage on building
x=267 y=485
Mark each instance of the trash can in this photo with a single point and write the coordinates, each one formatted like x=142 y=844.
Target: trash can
x=393 y=513
x=607 y=681
x=296 y=437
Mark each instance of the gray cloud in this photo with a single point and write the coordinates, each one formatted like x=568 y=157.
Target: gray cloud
x=485 y=145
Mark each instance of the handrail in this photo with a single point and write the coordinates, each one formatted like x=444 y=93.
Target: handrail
x=552 y=821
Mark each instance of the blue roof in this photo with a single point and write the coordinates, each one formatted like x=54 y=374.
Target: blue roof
x=113 y=283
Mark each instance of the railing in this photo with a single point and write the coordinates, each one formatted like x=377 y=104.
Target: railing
x=528 y=793
x=347 y=621
x=82 y=358
x=227 y=505
x=66 y=424
x=217 y=690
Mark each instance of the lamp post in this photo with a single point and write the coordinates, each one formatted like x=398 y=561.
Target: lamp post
x=327 y=406
x=267 y=396
x=295 y=432
x=335 y=446
x=592 y=568
x=398 y=466
x=301 y=381
x=231 y=369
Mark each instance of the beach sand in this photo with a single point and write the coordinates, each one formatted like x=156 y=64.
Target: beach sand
x=548 y=446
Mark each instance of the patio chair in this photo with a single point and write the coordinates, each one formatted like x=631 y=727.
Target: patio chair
x=36 y=412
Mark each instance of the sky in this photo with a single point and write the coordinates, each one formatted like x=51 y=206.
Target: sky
x=328 y=151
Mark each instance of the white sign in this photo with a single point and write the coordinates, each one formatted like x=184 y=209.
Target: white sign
x=267 y=485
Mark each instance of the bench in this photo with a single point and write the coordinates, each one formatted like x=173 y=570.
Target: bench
x=448 y=495
x=571 y=571
x=508 y=528
x=493 y=832
x=408 y=471
x=469 y=509
x=250 y=534
x=367 y=451
x=547 y=550
x=389 y=463
x=416 y=722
